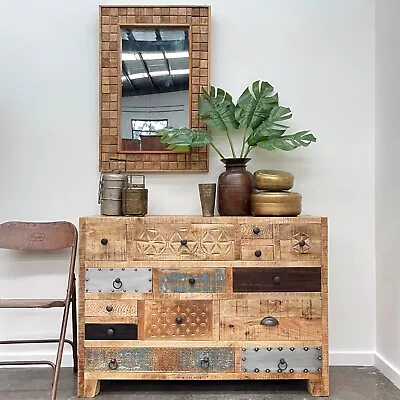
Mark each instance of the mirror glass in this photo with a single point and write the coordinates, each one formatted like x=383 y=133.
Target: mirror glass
x=154 y=85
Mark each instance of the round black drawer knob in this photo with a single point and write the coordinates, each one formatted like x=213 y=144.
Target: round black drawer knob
x=276 y=280
x=302 y=243
x=109 y=308
x=256 y=230
x=257 y=253
x=178 y=320
x=110 y=332
x=104 y=241
x=183 y=242
x=192 y=281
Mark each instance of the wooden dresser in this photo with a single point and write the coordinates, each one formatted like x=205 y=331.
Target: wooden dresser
x=203 y=298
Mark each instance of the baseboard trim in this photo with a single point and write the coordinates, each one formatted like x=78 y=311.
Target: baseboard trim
x=356 y=359
x=31 y=356
x=388 y=369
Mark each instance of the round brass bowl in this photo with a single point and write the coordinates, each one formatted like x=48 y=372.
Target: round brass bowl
x=274 y=204
x=265 y=179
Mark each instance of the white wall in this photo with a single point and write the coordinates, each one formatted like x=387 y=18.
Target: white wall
x=319 y=54
x=387 y=187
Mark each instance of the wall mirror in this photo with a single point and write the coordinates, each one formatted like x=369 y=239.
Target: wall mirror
x=153 y=63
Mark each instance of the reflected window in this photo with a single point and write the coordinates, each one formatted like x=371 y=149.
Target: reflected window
x=144 y=133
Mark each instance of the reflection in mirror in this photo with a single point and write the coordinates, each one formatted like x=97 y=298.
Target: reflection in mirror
x=155 y=85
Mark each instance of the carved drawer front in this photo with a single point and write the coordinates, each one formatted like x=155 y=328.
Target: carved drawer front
x=282 y=359
x=277 y=279
x=182 y=241
x=257 y=231
x=191 y=280
x=110 y=308
x=257 y=250
x=111 y=332
x=300 y=242
x=105 y=240
x=195 y=360
x=287 y=318
x=118 y=280
x=182 y=320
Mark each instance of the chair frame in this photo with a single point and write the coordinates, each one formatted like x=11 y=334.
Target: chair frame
x=43 y=236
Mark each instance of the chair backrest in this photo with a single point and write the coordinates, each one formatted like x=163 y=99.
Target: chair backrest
x=17 y=235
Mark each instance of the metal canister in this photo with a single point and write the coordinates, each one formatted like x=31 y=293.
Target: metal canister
x=110 y=193
x=134 y=196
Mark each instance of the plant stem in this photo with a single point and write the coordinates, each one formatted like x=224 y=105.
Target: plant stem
x=231 y=144
x=247 y=151
x=243 y=143
x=219 y=153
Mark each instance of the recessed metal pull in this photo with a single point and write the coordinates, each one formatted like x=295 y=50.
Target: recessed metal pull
x=269 y=321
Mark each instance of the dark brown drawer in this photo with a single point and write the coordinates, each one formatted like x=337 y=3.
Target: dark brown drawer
x=297 y=279
x=111 y=332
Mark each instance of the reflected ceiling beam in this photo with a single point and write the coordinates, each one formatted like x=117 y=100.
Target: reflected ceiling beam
x=160 y=46
x=125 y=72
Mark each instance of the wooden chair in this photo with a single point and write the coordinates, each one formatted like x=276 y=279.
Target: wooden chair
x=44 y=236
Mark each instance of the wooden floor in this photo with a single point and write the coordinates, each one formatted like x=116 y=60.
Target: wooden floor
x=347 y=383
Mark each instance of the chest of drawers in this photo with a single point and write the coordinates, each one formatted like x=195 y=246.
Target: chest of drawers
x=203 y=298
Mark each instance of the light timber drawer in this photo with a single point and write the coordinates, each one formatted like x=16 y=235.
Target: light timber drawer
x=296 y=318
x=110 y=308
x=257 y=231
x=105 y=241
x=181 y=241
x=282 y=359
x=119 y=280
x=196 y=360
x=190 y=280
x=111 y=332
x=277 y=279
x=183 y=320
x=257 y=250
x=300 y=242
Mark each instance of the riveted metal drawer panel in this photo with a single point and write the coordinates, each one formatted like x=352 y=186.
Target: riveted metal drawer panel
x=192 y=280
x=118 y=280
x=282 y=359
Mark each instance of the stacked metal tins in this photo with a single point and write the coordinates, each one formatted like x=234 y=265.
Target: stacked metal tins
x=272 y=196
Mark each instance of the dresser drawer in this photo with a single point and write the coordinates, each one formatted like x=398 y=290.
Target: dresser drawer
x=257 y=231
x=105 y=241
x=257 y=250
x=111 y=332
x=110 y=308
x=181 y=241
x=286 y=318
x=285 y=279
x=179 y=320
x=118 y=280
x=191 y=280
x=195 y=360
x=300 y=242
x=282 y=359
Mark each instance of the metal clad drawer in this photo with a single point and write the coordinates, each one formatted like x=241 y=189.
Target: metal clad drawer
x=192 y=280
x=282 y=359
x=111 y=332
x=119 y=280
x=296 y=279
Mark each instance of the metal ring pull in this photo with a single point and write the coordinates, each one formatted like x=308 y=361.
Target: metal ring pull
x=113 y=364
x=282 y=364
x=205 y=362
x=117 y=284
x=269 y=321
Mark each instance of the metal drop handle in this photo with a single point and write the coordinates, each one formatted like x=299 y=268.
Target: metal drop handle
x=113 y=364
x=269 y=321
x=282 y=366
x=205 y=362
x=117 y=284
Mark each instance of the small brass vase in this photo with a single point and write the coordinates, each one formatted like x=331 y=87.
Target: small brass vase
x=207 y=193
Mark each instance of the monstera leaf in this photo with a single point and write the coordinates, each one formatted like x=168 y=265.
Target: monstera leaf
x=287 y=142
x=255 y=106
x=181 y=139
x=217 y=110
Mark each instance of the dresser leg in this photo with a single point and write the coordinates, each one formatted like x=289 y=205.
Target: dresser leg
x=91 y=387
x=319 y=387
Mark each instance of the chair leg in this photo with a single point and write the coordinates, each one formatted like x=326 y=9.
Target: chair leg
x=74 y=328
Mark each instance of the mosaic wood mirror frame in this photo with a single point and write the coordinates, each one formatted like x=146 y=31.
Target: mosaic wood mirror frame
x=112 y=18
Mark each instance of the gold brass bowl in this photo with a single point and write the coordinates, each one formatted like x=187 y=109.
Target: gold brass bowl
x=274 y=204
x=273 y=180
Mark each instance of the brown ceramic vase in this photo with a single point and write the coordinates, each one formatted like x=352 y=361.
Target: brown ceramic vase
x=235 y=187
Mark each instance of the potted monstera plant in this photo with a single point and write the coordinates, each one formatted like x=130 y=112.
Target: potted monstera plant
x=262 y=123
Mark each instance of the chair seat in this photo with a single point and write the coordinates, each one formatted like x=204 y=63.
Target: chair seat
x=31 y=303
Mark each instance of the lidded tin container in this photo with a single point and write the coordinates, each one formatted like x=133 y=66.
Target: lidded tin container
x=134 y=196
x=110 y=193
x=275 y=204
